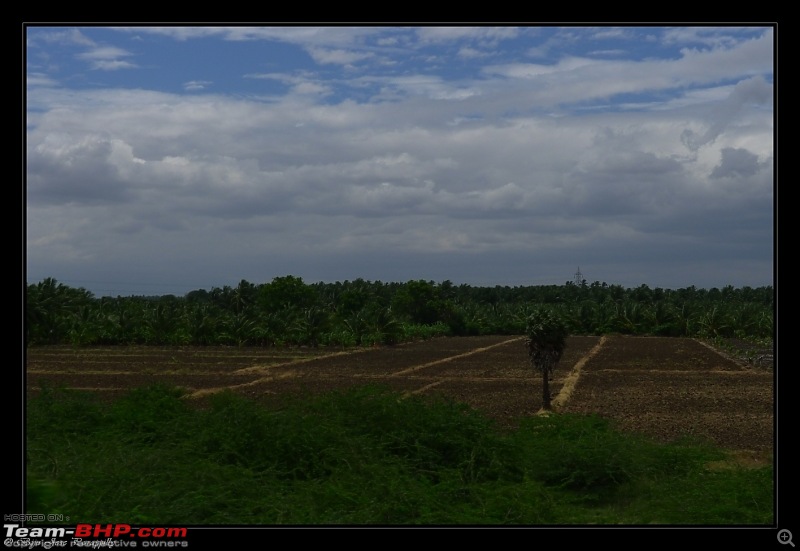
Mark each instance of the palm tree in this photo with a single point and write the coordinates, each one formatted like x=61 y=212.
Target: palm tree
x=547 y=334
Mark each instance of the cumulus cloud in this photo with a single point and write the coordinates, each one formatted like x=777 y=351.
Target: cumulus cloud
x=753 y=91
x=736 y=162
x=337 y=57
x=63 y=36
x=448 y=34
x=196 y=85
x=538 y=160
x=106 y=58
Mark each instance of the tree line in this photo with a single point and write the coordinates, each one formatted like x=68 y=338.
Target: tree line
x=289 y=312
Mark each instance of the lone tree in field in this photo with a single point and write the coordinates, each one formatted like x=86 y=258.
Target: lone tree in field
x=547 y=335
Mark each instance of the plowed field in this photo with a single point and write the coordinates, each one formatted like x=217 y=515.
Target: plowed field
x=664 y=387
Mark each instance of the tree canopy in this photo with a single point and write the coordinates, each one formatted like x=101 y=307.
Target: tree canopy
x=289 y=311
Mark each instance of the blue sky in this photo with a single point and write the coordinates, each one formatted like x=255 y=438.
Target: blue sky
x=166 y=159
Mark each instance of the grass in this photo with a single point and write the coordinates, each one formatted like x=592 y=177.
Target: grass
x=364 y=457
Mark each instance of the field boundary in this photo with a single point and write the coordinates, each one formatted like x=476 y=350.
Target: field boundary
x=451 y=358
x=208 y=391
x=572 y=379
x=261 y=368
x=742 y=363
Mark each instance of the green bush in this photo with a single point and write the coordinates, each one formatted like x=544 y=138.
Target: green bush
x=363 y=456
x=586 y=454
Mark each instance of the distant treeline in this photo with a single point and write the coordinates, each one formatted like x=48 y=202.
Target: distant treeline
x=289 y=312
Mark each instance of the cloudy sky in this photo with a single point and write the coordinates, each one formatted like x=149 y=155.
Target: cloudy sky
x=167 y=159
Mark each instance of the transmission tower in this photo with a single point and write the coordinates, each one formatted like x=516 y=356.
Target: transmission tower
x=578 y=280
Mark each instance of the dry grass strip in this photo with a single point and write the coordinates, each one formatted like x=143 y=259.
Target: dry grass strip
x=451 y=358
x=572 y=379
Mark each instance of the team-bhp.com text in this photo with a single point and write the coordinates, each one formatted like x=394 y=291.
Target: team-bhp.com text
x=94 y=535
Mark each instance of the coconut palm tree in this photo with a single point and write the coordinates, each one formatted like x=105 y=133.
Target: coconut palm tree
x=546 y=340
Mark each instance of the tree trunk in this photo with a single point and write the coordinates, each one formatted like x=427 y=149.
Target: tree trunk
x=546 y=390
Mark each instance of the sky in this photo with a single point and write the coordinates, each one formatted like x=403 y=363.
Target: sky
x=161 y=160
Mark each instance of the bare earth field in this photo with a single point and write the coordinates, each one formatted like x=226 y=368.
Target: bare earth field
x=663 y=387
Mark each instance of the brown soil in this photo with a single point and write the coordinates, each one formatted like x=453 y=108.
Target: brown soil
x=667 y=388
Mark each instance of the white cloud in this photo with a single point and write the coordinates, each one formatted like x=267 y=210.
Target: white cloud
x=39 y=79
x=326 y=56
x=520 y=158
x=65 y=36
x=196 y=85
x=103 y=53
x=448 y=34
x=107 y=58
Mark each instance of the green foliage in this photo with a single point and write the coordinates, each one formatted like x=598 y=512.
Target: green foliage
x=54 y=405
x=429 y=435
x=51 y=309
x=735 y=496
x=286 y=293
x=42 y=494
x=417 y=332
x=287 y=311
x=148 y=413
x=546 y=330
x=586 y=454
x=364 y=456
x=420 y=302
x=546 y=338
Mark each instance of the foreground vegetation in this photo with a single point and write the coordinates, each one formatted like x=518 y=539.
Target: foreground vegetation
x=287 y=311
x=365 y=457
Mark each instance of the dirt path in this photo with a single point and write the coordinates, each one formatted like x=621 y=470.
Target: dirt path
x=572 y=379
x=456 y=357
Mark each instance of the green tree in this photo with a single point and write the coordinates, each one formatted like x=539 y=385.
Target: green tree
x=310 y=324
x=288 y=292
x=50 y=310
x=201 y=324
x=422 y=302
x=546 y=340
